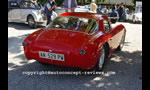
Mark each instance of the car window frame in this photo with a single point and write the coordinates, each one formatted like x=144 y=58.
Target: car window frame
x=95 y=31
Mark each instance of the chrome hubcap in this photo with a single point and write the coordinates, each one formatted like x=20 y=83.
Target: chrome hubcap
x=101 y=58
x=31 y=22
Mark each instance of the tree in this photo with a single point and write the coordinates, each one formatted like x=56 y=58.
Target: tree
x=42 y=2
x=59 y=2
x=134 y=3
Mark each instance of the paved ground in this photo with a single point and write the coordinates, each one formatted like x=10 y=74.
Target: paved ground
x=126 y=64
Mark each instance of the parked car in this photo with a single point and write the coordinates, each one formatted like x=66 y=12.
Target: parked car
x=26 y=11
x=83 y=40
x=135 y=17
x=61 y=10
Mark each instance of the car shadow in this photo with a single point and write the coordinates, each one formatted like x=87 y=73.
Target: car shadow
x=126 y=65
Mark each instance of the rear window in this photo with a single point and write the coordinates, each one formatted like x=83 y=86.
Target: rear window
x=79 y=24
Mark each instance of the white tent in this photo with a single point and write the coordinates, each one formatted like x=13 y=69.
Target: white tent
x=126 y=2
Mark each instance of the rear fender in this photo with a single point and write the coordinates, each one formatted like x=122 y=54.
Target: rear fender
x=33 y=36
x=37 y=18
x=119 y=27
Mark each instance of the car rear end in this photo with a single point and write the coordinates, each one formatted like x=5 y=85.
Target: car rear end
x=70 y=54
x=63 y=44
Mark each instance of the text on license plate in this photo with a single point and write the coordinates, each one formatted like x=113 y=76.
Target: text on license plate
x=52 y=56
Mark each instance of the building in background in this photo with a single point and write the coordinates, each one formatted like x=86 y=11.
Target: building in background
x=138 y=7
x=126 y=2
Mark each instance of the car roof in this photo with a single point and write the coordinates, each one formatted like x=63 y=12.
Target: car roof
x=94 y=16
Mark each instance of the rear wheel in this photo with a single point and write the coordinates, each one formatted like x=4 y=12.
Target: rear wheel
x=133 y=19
x=113 y=21
x=31 y=22
x=101 y=59
x=134 y=22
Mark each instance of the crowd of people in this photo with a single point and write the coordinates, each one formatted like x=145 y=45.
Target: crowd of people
x=50 y=6
x=110 y=11
x=70 y=6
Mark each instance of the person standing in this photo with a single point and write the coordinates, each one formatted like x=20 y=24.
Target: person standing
x=109 y=11
x=120 y=11
x=105 y=10
x=93 y=7
x=70 y=5
x=49 y=8
x=114 y=7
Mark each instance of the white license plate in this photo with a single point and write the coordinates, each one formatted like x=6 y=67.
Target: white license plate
x=52 y=56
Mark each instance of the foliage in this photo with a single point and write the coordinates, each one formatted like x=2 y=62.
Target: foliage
x=59 y=2
x=43 y=2
x=134 y=3
x=83 y=2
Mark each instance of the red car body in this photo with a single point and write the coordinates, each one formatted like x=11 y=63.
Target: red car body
x=70 y=43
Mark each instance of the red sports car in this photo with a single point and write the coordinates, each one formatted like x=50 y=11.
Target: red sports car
x=82 y=40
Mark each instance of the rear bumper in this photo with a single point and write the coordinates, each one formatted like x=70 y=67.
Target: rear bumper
x=78 y=62
x=71 y=60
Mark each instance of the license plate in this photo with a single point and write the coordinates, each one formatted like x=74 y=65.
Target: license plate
x=53 y=56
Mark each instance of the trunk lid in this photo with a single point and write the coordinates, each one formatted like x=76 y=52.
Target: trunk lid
x=61 y=38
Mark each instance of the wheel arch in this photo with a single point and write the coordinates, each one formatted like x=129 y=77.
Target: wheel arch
x=32 y=16
x=106 y=46
x=28 y=17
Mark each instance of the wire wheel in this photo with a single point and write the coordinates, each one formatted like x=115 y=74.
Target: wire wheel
x=101 y=59
x=31 y=22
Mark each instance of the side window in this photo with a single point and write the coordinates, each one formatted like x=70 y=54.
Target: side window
x=27 y=5
x=14 y=5
x=92 y=26
x=106 y=25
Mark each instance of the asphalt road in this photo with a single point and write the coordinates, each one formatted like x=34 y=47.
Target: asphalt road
x=126 y=64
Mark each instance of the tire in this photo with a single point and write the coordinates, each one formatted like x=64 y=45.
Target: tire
x=121 y=42
x=134 y=22
x=31 y=22
x=101 y=60
x=113 y=21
